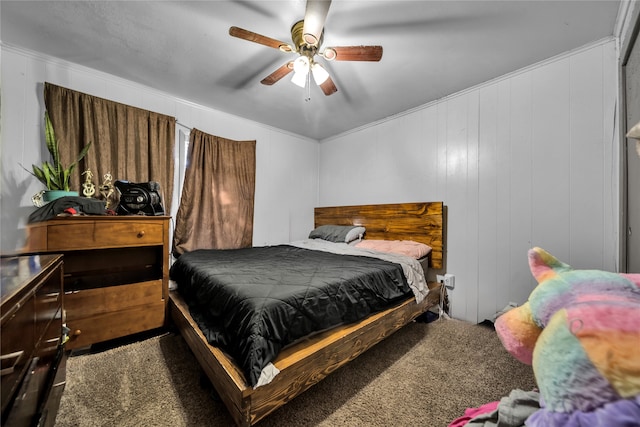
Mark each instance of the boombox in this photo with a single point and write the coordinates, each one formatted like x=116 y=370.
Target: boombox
x=139 y=199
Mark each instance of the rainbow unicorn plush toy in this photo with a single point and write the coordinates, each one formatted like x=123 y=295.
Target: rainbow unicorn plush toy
x=581 y=331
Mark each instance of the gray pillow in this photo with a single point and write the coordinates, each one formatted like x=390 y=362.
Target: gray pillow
x=337 y=233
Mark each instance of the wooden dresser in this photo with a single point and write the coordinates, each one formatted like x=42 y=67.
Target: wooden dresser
x=116 y=273
x=33 y=358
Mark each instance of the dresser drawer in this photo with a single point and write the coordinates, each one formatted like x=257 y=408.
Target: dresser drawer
x=57 y=383
x=90 y=302
x=37 y=383
x=105 y=326
x=48 y=300
x=18 y=344
x=108 y=234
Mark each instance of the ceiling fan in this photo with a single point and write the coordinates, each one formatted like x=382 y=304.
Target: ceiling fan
x=307 y=36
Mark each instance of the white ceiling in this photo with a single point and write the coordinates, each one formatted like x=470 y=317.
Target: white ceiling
x=431 y=49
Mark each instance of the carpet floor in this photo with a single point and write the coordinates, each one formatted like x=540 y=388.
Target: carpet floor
x=426 y=374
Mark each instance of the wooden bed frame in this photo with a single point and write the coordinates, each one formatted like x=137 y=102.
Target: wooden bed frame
x=309 y=361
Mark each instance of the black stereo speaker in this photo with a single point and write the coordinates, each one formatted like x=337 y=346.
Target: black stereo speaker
x=139 y=199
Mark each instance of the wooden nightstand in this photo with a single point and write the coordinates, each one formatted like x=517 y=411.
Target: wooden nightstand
x=116 y=273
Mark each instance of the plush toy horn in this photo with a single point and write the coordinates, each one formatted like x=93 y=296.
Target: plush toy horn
x=544 y=265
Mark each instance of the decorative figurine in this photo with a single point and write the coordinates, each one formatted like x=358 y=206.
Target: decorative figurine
x=88 y=187
x=106 y=189
x=37 y=199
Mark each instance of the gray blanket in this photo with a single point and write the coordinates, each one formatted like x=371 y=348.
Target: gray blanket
x=512 y=411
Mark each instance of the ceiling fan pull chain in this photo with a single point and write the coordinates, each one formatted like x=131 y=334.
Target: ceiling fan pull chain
x=308 y=87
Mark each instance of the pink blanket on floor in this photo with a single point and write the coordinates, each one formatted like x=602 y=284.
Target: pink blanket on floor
x=471 y=413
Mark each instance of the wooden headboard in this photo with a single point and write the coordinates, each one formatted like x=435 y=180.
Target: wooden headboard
x=422 y=222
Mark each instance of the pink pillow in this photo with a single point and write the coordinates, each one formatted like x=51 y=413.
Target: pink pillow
x=403 y=247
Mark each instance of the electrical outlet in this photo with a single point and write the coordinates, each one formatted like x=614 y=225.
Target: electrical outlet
x=440 y=278
x=449 y=281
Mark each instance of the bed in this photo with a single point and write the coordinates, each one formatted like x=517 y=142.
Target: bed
x=309 y=359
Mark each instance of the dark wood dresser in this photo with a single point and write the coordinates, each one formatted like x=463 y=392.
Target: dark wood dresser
x=116 y=273
x=33 y=357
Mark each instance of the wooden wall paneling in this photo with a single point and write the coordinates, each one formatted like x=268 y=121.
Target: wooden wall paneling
x=121 y=91
x=550 y=178
x=274 y=205
x=400 y=162
x=420 y=158
x=458 y=236
x=35 y=70
x=503 y=194
x=355 y=191
x=306 y=173
x=19 y=144
x=340 y=166
x=15 y=67
x=488 y=231
x=587 y=151
x=427 y=140
x=520 y=207
x=292 y=167
x=441 y=150
x=388 y=177
x=470 y=273
x=387 y=152
x=80 y=79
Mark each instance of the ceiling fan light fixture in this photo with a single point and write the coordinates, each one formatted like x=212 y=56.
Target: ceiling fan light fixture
x=329 y=54
x=301 y=65
x=315 y=15
x=299 y=79
x=301 y=69
x=320 y=75
x=310 y=39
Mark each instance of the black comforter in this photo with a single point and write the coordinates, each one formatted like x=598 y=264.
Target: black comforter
x=252 y=302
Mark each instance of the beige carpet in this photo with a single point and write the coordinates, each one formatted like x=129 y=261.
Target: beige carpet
x=424 y=375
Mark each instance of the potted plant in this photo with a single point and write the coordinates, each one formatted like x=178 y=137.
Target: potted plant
x=53 y=174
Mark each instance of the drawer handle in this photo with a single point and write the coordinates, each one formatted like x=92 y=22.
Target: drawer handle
x=50 y=298
x=76 y=332
x=10 y=369
x=141 y=233
x=48 y=350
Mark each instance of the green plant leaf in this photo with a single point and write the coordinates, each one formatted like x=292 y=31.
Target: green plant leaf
x=66 y=177
x=38 y=173
x=83 y=153
x=52 y=142
x=54 y=175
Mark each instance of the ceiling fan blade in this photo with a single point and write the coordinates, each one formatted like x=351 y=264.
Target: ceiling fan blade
x=278 y=74
x=314 y=17
x=328 y=87
x=353 y=53
x=241 y=33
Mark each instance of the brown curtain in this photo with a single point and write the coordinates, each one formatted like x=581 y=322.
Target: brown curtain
x=216 y=207
x=129 y=143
